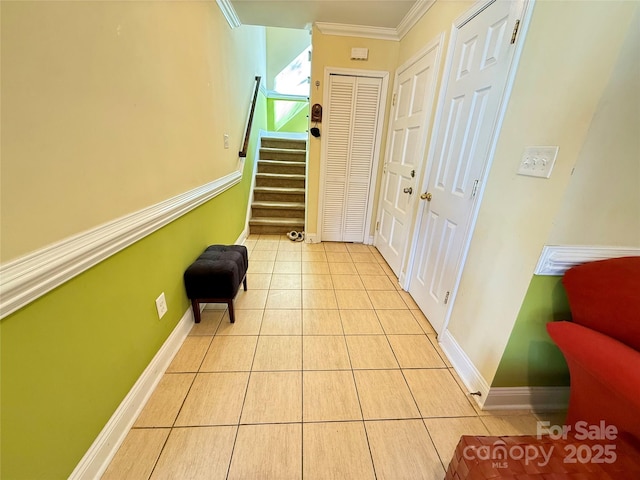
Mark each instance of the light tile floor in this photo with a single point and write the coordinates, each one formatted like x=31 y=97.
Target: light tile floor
x=330 y=371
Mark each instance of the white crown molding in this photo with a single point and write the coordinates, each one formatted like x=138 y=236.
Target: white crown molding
x=413 y=15
x=557 y=259
x=31 y=276
x=527 y=398
x=229 y=13
x=380 y=33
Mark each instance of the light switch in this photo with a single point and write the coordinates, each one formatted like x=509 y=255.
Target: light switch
x=538 y=161
x=226 y=140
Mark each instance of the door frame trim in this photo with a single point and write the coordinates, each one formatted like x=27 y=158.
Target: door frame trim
x=458 y=23
x=436 y=44
x=384 y=94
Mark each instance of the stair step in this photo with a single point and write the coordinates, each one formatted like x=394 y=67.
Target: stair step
x=274 y=221
x=280 y=180
x=295 y=144
x=279 y=205
x=283 y=154
x=280 y=190
x=278 y=194
x=277 y=209
x=275 y=225
x=281 y=166
x=290 y=176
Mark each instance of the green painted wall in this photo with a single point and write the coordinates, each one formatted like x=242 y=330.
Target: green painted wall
x=70 y=357
x=531 y=358
x=298 y=123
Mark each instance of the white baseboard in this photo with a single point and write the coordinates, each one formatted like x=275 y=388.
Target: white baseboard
x=97 y=459
x=464 y=367
x=243 y=236
x=311 y=238
x=539 y=399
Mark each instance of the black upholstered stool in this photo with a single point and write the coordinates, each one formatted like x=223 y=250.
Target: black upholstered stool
x=215 y=277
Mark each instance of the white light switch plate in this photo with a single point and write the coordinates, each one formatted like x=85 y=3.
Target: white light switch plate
x=538 y=161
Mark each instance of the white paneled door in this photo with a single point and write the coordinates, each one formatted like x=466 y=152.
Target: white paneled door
x=470 y=109
x=350 y=146
x=412 y=106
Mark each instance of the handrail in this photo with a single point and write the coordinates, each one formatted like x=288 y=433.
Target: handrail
x=247 y=132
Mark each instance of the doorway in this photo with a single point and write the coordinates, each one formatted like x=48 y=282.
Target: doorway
x=412 y=105
x=473 y=99
x=354 y=112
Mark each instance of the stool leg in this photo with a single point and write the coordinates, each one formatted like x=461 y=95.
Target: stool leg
x=196 y=310
x=232 y=318
x=244 y=283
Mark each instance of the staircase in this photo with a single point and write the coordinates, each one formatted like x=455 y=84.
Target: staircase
x=278 y=195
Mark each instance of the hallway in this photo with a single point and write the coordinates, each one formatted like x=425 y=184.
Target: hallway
x=330 y=371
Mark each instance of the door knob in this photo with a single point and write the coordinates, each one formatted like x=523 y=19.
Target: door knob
x=408 y=190
x=426 y=196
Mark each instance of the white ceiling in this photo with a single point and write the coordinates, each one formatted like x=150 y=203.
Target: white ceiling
x=301 y=13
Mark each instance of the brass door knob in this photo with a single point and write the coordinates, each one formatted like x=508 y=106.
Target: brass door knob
x=426 y=196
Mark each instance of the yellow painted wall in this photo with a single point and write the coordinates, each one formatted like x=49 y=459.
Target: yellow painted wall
x=109 y=107
x=438 y=19
x=566 y=63
x=601 y=205
x=335 y=51
x=94 y=96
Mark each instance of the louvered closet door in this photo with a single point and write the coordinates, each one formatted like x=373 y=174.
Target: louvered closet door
x=352 y=116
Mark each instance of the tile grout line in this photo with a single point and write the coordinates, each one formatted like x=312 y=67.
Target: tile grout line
x=235 y=440
x=173 y=424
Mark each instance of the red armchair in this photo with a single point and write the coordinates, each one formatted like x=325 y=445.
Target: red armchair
x=602 y=343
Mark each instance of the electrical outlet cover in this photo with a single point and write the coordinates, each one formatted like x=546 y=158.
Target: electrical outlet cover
x=161 y=305
x=538 y=161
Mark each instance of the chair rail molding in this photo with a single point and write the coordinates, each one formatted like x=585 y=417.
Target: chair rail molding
x=557 y=259
x=29 y=277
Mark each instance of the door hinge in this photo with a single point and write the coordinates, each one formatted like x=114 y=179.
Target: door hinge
x=393 y=101
x=377 y=226
x=515 y=32
x=475 y=188
x=446 y=298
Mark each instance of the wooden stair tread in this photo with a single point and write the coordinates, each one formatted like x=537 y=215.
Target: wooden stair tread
x=296 y=176
x=280 y=189
x=284 y=163
x=284 y=150
x=276 y=221
x=275 y=204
